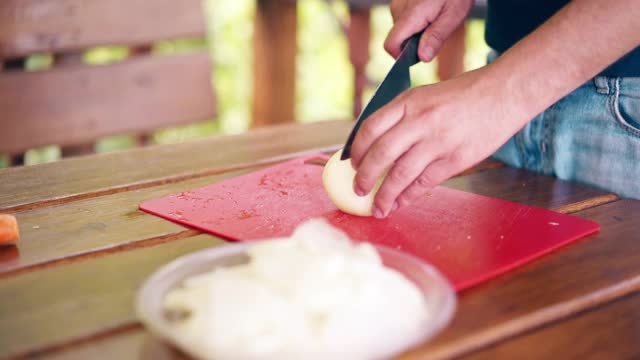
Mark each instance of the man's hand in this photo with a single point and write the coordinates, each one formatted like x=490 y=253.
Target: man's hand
x=428 y=134
x=439 y=17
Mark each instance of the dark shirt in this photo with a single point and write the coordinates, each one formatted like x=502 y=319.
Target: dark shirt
x=508 y=21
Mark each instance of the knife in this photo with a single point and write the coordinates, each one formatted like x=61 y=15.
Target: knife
x=397 y=80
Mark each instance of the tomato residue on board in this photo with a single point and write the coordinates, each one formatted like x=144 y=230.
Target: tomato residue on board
x=244 y=214
x=177 y=214
x=187 y=195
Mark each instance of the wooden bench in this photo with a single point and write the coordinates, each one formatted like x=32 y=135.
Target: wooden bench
x=73 y=103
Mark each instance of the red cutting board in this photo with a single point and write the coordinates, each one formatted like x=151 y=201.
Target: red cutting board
x=469 y=238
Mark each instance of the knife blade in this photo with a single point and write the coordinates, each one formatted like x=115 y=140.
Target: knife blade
x=397 y=80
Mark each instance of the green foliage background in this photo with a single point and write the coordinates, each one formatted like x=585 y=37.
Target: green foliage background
x=324 y=75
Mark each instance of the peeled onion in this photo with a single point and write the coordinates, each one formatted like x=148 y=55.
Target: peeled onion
x=337 y=179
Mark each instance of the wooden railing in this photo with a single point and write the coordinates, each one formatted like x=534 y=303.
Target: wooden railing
x=275 y=51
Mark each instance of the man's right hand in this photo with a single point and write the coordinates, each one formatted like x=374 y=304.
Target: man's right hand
x=439 y=17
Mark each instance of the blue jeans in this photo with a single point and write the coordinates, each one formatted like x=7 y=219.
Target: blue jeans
x=591 y=136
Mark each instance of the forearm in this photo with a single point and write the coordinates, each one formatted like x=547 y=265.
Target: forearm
x=574 y=45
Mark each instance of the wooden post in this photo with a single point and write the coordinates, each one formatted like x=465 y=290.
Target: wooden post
x=14 y=65
x=142 y=50
x=72 y=58
x=275 y=50
x=358 y=35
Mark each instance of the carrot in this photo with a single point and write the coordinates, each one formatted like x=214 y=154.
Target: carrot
x=9 y=233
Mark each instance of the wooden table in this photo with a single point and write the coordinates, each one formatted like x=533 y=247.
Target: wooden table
x=67 y=289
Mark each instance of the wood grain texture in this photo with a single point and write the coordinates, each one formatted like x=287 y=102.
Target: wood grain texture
x=592 y=266
x=41 y=185
x=580 y=276
x=129 y=344
x=528 y=188
x=487 y=164
x=358 y=35
x=73 y=105
x=274 y=64
x=34 y=26
x=96 y=224
x=608 y=332
x=120 y=340
x=76 y=300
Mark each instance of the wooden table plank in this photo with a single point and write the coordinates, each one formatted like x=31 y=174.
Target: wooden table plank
x=608 y=332
x=274 y=62
x=583 y=275
x=134 y=343
x=31 y=302
x=106 y=222
x=96 y=224
x=77 y=178
x=531 y=189
x=69 y=302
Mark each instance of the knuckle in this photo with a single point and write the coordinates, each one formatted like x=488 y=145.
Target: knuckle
x=356 y=155
x=380 y=154
x=437 y=38
x=456 y=161
x=395 y=177
x=381 y=151
x=369 y=130
x=424 y=181
x=400 y=173
x=424 y=114
x=405 y=199
x=362 y=180
x=462 y=157
x=402 y=201
x=408 y=196
x=446 y=135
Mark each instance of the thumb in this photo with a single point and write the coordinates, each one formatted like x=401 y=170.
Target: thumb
x=437 y=32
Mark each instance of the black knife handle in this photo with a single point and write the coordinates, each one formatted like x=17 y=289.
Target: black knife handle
x=394 y=85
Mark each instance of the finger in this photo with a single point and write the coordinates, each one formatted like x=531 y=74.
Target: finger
x=411 y=21
x=438 y=31
x=396 y=8
x=403 y=29
x=434 y=174
x=403 y=173
x=382 y=154
x=376 y=125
